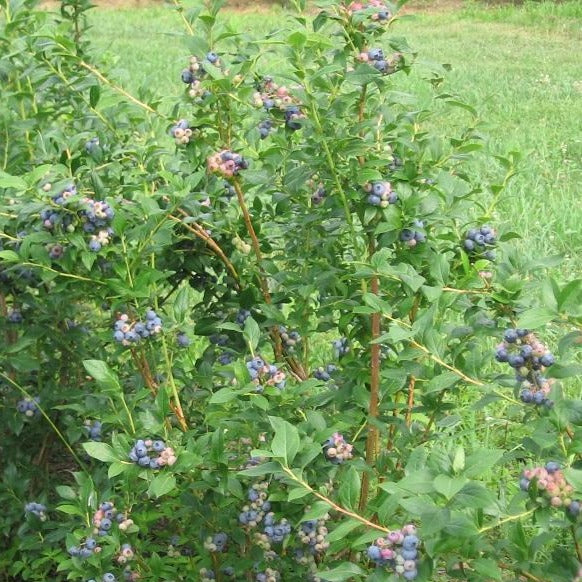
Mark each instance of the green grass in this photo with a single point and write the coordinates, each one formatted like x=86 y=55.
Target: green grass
x=519 y=66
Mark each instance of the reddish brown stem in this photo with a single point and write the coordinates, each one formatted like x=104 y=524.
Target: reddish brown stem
x=411 y=385
x=576 y=544
x=372 y=440
x=198 y=231
x=261 y=275
x=144 y=372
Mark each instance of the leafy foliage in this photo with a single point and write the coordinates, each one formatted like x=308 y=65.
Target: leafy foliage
x=158 y=303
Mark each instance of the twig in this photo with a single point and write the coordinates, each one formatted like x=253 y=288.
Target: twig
x=411 y=385
x=332 y=504
x=119 y=89
x=197 y=230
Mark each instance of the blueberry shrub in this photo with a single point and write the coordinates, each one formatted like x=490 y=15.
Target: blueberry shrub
x=267 y=323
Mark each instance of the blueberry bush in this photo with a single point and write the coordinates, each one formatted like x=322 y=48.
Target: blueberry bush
x=258 y=325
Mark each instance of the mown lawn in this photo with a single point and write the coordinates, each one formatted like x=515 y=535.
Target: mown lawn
x=519 y=66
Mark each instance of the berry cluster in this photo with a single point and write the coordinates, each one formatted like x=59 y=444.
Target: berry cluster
x=84 y=550
x=399 y=550
x=552 y=485
x=241 y=246
x=380 y=194
x=289 y=339
x=181 y=132
x=127 y=575
x=319 y=195
x=37 y=509
x=376 y=58
x=194 y=74
x=226 y=163
x=274 y=532
x=127 y=332
x=313 y=532
x=183 y=339
x=269 y=575
x=336 y=449
x=293 y=117
x=55 y=251
x=529 y=357
x=381 y=11
x=93 y=429
x=341 y=347
x=479 y=243
x=62 y=196
x=216 y=543
x=229 y=190
x=14 y=316
x=125 y=555
x=29 y=406
x=152 y=454
x=106 y=515
x=92 y=146
x=254 y=512
x=207 y=575
x=265 y=128
x=52 y=218
x=270 y=95
x=96 y=217
x=324 y=373
x=411 y=236
x=242 y=316
x=263 y=374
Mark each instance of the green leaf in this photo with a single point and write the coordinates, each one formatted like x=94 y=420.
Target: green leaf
x=162 y=484
x=102 y=374
x=9 y=256
x=8 y=181
x=537 y=317
x=118 y=467
x=286 y=442
x=349 y=491
x=223 y=395
x=66 y=492
x=488 y=568
x=100 y=451
x=344 y=571
x=252 y=333
x=448 y=486
x=297 y=493
x=262 y=469
x=574 y=478
x=343 y=529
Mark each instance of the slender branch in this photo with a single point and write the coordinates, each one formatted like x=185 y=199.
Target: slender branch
x=507 y=520
x=48 y=419
x=332 y=504
x=524 y=573
x=438 y=360
x=198 y=231
x=176 y=405
x=411 y=385
x=576 y=543
x=254 y=239
x=372 y=440
x=118 y=89
x=180 y=10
